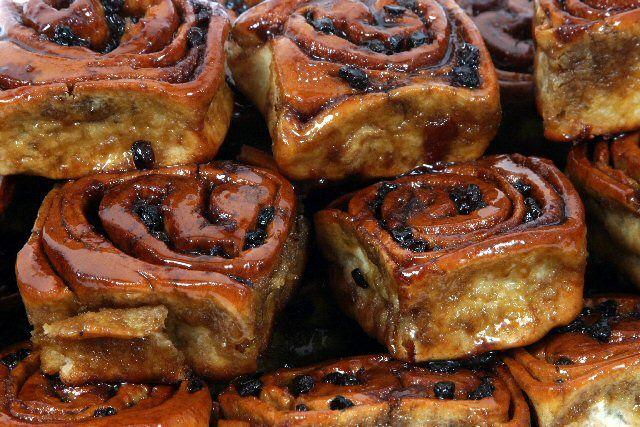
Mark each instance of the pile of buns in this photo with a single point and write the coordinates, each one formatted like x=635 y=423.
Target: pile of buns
x=157 y=267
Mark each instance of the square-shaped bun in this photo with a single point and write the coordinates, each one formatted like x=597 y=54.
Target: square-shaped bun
x=147 y=276
x=587 y=68
x=80 y=85
x=355 y=88
x=453 y=260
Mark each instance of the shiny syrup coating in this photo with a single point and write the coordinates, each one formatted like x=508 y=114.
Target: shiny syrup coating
x=181 y=227
x=447 y=207
x=386 y=391
x=609 y=170
x=365 y=46
x=30 y=397
x=44 y=42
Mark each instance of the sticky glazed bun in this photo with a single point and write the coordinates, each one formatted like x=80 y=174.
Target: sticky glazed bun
x=29 y=397
x=607 y=174
x=84 y=83
x=505 y=26
x=452 y=260
x=587 y=67
x=586 y=373
x=377 y=390
x=364 y=88
x=171 y=270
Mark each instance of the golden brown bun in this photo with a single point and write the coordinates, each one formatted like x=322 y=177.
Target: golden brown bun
x=142 y=276
x=452 y=260
x=377 y=391
x=346 y=95
x=28 y=397
x=608 y=179
x=587 y=67
x=74 y=97
x=588 y=372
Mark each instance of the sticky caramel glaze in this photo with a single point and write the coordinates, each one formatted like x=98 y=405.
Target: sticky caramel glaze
x=606 y=174
x=197 y=282
x=505 y=26
x=444 y=283
x=587 y=67
x=323 y=126
x=67 y=111
x=383 y=392
x=28 y=397
x=572 y=378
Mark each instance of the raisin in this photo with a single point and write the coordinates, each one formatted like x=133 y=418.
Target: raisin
x=359 y=279
x=443 y=366
x=418 y=39
x=204 y=14
x=64 y=36
x=340 y=403
x=301 y=407
x=563 y=360
x=444 y=390
x=242 y=280
x=383 y=190
x=395 y=44
x=485 y=389
x=238 y=6
x=476 y=362
x=256 y=237
x=404 y=237
x=409 y=4
x=376 y=46
x=479 y=361
x=150 y=215
x=465 y=73
x=301 y=384
x=467 y=199
x=601 y=330
x=143 y=155
x=324 y=25
x=196 y=36
x=266 y=216
x=522 y=187
x=534 y=211
x=105 y=411
x=116 y=25
x=112 y=6
x=395 y=10
x=248 y=386
x=468 y=54
x=608 y=308
x=341 y=379
x=356 y=78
